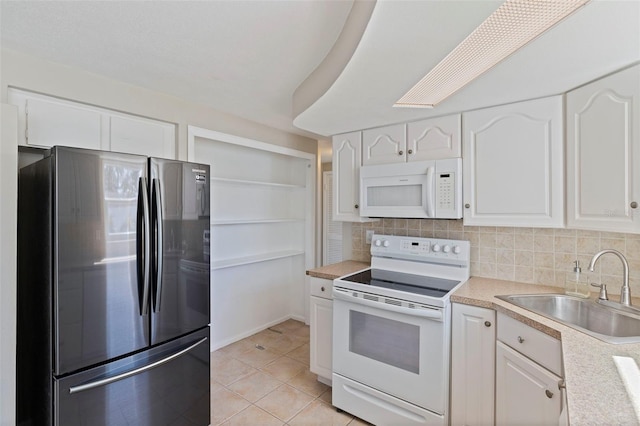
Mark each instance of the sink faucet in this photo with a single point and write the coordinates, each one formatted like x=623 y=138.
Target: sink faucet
x=625 y=293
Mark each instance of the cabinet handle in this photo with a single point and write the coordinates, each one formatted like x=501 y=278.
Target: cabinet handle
x=634 y=205
x=410 y=151
x=321 y=288
x=520 y=339
x=466 y=206
x=487 y=323
x=356 y=206
x=548 y=393
x=400 y=152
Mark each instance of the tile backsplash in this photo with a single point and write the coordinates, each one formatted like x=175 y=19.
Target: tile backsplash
x=530 y=255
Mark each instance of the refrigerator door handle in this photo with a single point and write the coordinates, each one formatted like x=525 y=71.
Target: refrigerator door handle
x=159 y=246
x=107 y=380
x=144 y=244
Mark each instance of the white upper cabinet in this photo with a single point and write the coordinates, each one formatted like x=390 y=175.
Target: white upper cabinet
x=384 y=145
x=49 y=123
x=45 y=121
x=136 y=135
x=346 y=177
x=513 y=165
x=434 y=138
x=603 y=154
x=430 y=139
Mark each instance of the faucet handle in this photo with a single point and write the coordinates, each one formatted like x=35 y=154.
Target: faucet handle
x=603 y=291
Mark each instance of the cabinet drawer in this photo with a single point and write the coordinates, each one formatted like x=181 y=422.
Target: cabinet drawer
x=321 y=287
x=540 y=347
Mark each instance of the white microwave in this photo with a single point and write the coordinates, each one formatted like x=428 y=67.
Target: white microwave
x=420 y=189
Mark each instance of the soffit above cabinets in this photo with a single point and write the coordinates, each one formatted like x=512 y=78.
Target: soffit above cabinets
x=405 y=39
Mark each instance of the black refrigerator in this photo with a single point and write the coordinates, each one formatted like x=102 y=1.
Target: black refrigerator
x=113 y=290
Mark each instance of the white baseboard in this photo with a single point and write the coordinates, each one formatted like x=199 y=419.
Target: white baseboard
x=217 y=345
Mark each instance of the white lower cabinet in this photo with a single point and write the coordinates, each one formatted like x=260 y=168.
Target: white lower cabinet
x=473 y=337
x=321 y=328
x=528 y=384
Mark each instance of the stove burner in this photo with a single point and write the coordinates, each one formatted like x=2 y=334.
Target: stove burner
x=408 y=283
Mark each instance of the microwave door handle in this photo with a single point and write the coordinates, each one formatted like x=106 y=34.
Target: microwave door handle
x=430 y=193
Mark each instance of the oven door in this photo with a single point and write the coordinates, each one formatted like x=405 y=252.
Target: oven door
x=400 y=351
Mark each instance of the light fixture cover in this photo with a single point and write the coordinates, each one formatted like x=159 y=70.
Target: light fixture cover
x=514 y=24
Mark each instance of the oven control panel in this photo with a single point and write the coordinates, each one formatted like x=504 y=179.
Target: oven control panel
x=424 y=249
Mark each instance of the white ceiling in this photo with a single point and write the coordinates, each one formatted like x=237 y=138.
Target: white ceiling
x=242 y=57
x=404 y=40
x=248 y=57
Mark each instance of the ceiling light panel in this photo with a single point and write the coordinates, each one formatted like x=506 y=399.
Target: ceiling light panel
x=514 y=24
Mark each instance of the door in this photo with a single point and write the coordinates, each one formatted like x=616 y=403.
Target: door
x=526 y=393
x=603 y=154
x=514 y=164
x=167 y=385
x=473 y=346
x=434 y=138
x=400 y=351
x=384 y=145
x=98 y=313
x=346 y=176
x=181 y=264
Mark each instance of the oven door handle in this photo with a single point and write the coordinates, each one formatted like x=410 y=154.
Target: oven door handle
x=434 y=314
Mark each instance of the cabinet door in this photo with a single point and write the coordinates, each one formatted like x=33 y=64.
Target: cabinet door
x=603 y=154
x=526 y=393
x=346 y=179
x=52 y=122
x=473 y=337
x=434 y=139
x=384 y=145
x=321 y=339
x=513 y=168
x=141 y=136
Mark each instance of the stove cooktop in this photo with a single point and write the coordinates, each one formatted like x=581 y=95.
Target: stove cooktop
x=399 y=281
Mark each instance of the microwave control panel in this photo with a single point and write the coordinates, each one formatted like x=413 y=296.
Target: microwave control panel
x=446 y=191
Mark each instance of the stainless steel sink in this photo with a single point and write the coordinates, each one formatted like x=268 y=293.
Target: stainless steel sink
x=602 y=322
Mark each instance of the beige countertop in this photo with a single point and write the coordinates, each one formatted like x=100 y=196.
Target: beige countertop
x=336 y=270
x=596 y=394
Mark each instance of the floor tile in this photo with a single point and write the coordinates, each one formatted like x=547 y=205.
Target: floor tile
x=255 y=386
x=288 y=326
x=234 y=349
x=326 y=396
x=301 y=353
x=308 y=383
x=284 y=402
x=253 y=416
x=225 y=404
x=227 y=370
x=257 y=357
x=319 y=413
x=284 y=368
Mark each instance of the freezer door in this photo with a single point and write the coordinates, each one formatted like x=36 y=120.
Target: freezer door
x=167 y=385
x=98 y=257
x=180 y=228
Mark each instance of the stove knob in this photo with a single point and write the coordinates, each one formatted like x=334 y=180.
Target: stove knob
x=386 y=243
x=457 y=249
x=435 y=248
x=446 y=249
x=377 y=243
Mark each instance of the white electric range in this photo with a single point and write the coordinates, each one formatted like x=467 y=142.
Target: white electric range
x=391 y=331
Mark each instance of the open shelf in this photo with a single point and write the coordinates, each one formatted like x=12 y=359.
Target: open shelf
x=239 y=261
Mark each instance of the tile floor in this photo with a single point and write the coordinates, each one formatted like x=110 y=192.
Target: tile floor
x=265 y=380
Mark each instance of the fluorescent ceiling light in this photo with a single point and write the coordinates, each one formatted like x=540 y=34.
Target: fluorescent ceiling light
x=514 y=24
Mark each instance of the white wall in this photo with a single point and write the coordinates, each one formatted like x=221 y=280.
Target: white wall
x=30 y=73
x=8 y=217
